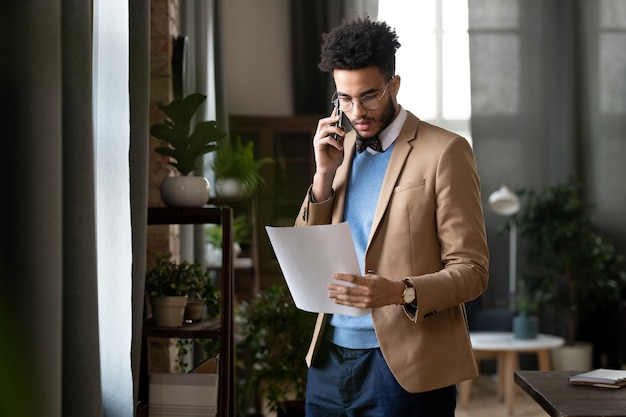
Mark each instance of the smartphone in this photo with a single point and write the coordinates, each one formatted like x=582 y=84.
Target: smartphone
x=339 y=123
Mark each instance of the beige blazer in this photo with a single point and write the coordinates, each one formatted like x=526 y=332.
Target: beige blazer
x=428 y=226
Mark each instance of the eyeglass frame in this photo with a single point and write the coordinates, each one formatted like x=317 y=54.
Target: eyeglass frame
x=336 y=100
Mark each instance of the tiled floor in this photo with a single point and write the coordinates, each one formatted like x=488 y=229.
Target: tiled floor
x=483 y=402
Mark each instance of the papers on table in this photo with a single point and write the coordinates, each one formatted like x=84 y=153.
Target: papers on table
x=308 y=257
x=609 y=378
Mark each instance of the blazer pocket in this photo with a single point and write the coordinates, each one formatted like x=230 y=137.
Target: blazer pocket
x=409 y=185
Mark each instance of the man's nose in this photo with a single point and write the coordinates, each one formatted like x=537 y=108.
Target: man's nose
x=357 y=109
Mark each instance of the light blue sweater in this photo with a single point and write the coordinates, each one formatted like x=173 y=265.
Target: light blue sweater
x=364 y=184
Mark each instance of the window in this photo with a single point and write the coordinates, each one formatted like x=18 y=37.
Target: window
x=433 y=60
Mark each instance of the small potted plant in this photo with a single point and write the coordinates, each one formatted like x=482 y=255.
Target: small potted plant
x=273 y=337
x=530 y=297
x=203 y=297
x=184 y=147
x=236 y=170
x=169 y=285
x=213 y=238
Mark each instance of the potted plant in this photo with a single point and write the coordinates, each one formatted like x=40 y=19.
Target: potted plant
x=213 y=238
x=184 y=147
x=236 y=170
x=169 y=285
x=575 y=265
x=530 y=297
x=272 y=341
x=203 y=297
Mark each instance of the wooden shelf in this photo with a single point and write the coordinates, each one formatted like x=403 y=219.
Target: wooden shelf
x=219 y=328
x=206 y=329
x=238 y=263
x=185 y=215
x=247 y=279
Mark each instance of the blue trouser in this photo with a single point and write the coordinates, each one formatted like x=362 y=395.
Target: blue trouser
x=358 y=383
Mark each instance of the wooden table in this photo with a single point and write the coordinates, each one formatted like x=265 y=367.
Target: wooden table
x=505 y=349
x=552 y=391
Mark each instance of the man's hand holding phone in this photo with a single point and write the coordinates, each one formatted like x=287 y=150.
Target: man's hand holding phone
x=328 y=154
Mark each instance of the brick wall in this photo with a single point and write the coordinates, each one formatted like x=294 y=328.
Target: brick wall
x=163 y=30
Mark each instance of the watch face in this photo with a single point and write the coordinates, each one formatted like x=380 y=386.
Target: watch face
x=409 y=295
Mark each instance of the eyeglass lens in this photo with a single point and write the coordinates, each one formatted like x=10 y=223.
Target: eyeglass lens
x=346 y=104
x=368 y=103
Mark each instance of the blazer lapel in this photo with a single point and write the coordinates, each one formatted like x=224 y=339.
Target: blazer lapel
x=398 y=158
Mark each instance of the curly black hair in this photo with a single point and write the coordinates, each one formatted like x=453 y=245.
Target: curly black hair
x=360 y=43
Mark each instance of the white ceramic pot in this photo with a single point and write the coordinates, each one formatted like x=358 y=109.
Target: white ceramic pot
x=229 y=187
x=576 y=356
x=168 y=311
x=188 y=191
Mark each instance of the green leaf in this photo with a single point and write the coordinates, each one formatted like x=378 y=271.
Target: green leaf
x=181 y=111
x=235 y=160
x=187 y=147
x=204 y=133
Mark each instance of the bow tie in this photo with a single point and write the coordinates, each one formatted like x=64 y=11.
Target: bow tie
x=373 y=142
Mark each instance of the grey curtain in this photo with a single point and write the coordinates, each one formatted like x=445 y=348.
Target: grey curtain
x=31 y=293
x=49 y=286
x=67 y=281
x=139 y=43
x=548 y=80
x=80 y=382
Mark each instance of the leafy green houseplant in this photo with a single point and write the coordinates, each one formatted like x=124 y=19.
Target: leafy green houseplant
x=241 y=232
x=531 y=295
x=168 y=278
x=235 y=161
x=181 y=280
x=571 y=265
x=528 y=301
x=272 y=339
x=213 y=239
x=185 y=146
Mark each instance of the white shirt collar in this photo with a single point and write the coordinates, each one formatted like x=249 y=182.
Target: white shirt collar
x=389 y=135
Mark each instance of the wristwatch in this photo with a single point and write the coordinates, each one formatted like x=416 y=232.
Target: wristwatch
x=408 y=295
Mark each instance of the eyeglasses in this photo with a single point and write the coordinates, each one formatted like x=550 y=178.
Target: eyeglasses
x=346 y=104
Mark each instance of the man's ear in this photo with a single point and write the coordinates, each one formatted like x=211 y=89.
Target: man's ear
x=395 y=85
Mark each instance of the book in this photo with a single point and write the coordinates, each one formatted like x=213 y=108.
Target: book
x=606 y=378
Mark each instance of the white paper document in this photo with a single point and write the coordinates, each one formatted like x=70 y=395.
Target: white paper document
x=308 y=257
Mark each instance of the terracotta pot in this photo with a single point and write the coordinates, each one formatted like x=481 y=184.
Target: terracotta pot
x=168 y=311
x=194 y=311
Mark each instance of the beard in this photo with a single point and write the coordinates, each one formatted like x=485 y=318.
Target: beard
x=386 y=118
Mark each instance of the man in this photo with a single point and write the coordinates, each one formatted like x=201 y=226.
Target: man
x=414 y=209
